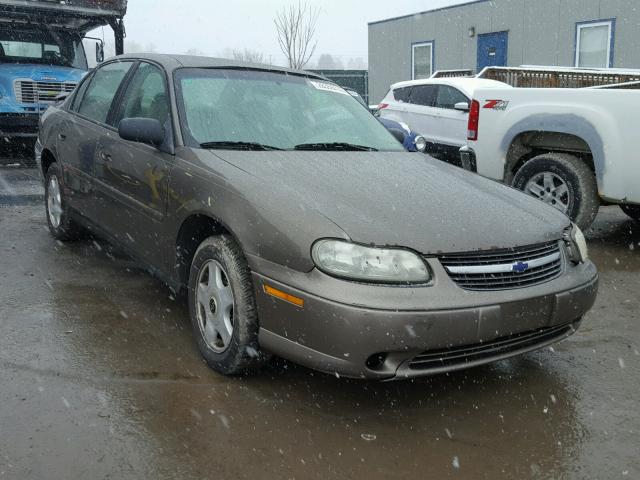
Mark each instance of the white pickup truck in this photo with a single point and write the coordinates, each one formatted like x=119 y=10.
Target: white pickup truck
x=574 y=149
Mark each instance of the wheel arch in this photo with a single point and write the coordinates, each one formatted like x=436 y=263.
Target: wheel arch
x=194 y=229
x=545 y=133
x=47 y=159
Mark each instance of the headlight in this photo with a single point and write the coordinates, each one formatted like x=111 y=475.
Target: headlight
x=380 y=265
x=581 y=243
x=578 y=245
x=420 y=143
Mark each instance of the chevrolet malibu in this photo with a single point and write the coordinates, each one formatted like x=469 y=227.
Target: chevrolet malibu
x=298 y=226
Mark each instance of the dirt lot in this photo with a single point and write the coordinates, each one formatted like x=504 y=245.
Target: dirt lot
x=100 y=378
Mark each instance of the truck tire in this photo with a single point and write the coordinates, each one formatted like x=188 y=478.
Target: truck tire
x=222 y=307
x=564 y=182
x=61 y=225
x=632 y=210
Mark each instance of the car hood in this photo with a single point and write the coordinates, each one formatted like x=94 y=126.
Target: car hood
x=403 y=199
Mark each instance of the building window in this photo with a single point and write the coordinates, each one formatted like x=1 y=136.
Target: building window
x=422 y=60
x=594 y=44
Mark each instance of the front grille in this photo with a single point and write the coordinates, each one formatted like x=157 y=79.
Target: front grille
x=29 y=91
x=505 y=269
x=460 y=355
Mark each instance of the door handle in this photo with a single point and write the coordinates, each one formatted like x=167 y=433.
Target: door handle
x=105 y=157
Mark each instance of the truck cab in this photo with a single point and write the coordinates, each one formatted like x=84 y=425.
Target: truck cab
x=42 y=58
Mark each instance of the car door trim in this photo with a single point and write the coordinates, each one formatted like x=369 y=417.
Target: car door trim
x=128 y=201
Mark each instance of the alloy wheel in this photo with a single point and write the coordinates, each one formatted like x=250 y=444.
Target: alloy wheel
x=215 y=306
x=54 y=202
x=551 y=189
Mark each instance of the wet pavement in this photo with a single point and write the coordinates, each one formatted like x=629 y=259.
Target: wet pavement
x=100 y=378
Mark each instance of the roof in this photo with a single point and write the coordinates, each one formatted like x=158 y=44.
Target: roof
x=471 y=2
x=173 y=62
x=466 y=84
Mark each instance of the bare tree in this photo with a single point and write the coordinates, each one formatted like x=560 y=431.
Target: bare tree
x=247 y=55
x=296 y=26
x=329 y=62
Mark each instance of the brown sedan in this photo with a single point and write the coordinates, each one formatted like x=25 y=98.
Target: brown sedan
x=300 y=227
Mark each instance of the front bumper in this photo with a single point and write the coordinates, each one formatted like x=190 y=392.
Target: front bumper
x=454 y=328
x=19 y=125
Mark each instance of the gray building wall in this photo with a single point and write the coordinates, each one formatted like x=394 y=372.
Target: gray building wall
x=541 y=32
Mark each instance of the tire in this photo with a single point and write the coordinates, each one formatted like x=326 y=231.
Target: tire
x=61 y=226
x=632 y=211
x=572 y=188
x=220 y=280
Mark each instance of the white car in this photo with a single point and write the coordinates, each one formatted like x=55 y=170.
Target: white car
x=438 y=109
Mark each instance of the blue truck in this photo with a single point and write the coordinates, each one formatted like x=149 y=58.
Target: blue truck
x=42 y=58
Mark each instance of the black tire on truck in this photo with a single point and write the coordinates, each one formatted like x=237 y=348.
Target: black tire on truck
x=632 y=210
x=222 y=306
x=564 y=182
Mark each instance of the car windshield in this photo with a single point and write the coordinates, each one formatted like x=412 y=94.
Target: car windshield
x=277 y=110
x=42 y=47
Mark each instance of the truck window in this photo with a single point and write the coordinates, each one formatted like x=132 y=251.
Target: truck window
x=146 y=95
x=41 y=47
x=96 y=102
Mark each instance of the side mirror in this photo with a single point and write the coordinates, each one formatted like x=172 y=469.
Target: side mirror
x=399 y=134
x=99 y=52
x=461 y=106
x=142 y=130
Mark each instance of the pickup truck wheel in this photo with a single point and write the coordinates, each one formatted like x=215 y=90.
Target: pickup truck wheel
x=222 y=307
x=564 y=182
x=61 y=226
x=632 y=210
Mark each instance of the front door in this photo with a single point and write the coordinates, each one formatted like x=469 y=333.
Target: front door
x=452 y=124
x=492 y=50
x=132 y=178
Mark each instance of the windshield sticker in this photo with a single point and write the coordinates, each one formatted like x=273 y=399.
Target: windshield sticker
x=328 y=87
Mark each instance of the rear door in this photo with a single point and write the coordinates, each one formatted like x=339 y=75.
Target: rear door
x=397 y=101
x=81 y=130
x=422 y=117
x=132 y=178
x=452 y=124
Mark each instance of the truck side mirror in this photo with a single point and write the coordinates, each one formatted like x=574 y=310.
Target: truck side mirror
x=99 y=52
x=461 y=106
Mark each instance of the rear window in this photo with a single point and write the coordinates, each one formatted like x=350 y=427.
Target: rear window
x=423 y=95
x=402 y=94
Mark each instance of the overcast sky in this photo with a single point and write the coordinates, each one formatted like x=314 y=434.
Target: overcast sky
x=213 y=26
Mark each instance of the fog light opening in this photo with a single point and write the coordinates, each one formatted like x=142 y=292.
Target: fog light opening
x=376 y=361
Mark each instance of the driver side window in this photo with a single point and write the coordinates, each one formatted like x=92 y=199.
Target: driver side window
x=448 y=97
x=146 y=96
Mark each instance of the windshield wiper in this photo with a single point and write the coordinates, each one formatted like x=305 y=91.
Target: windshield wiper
x=227 y=145
x=335 y=146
